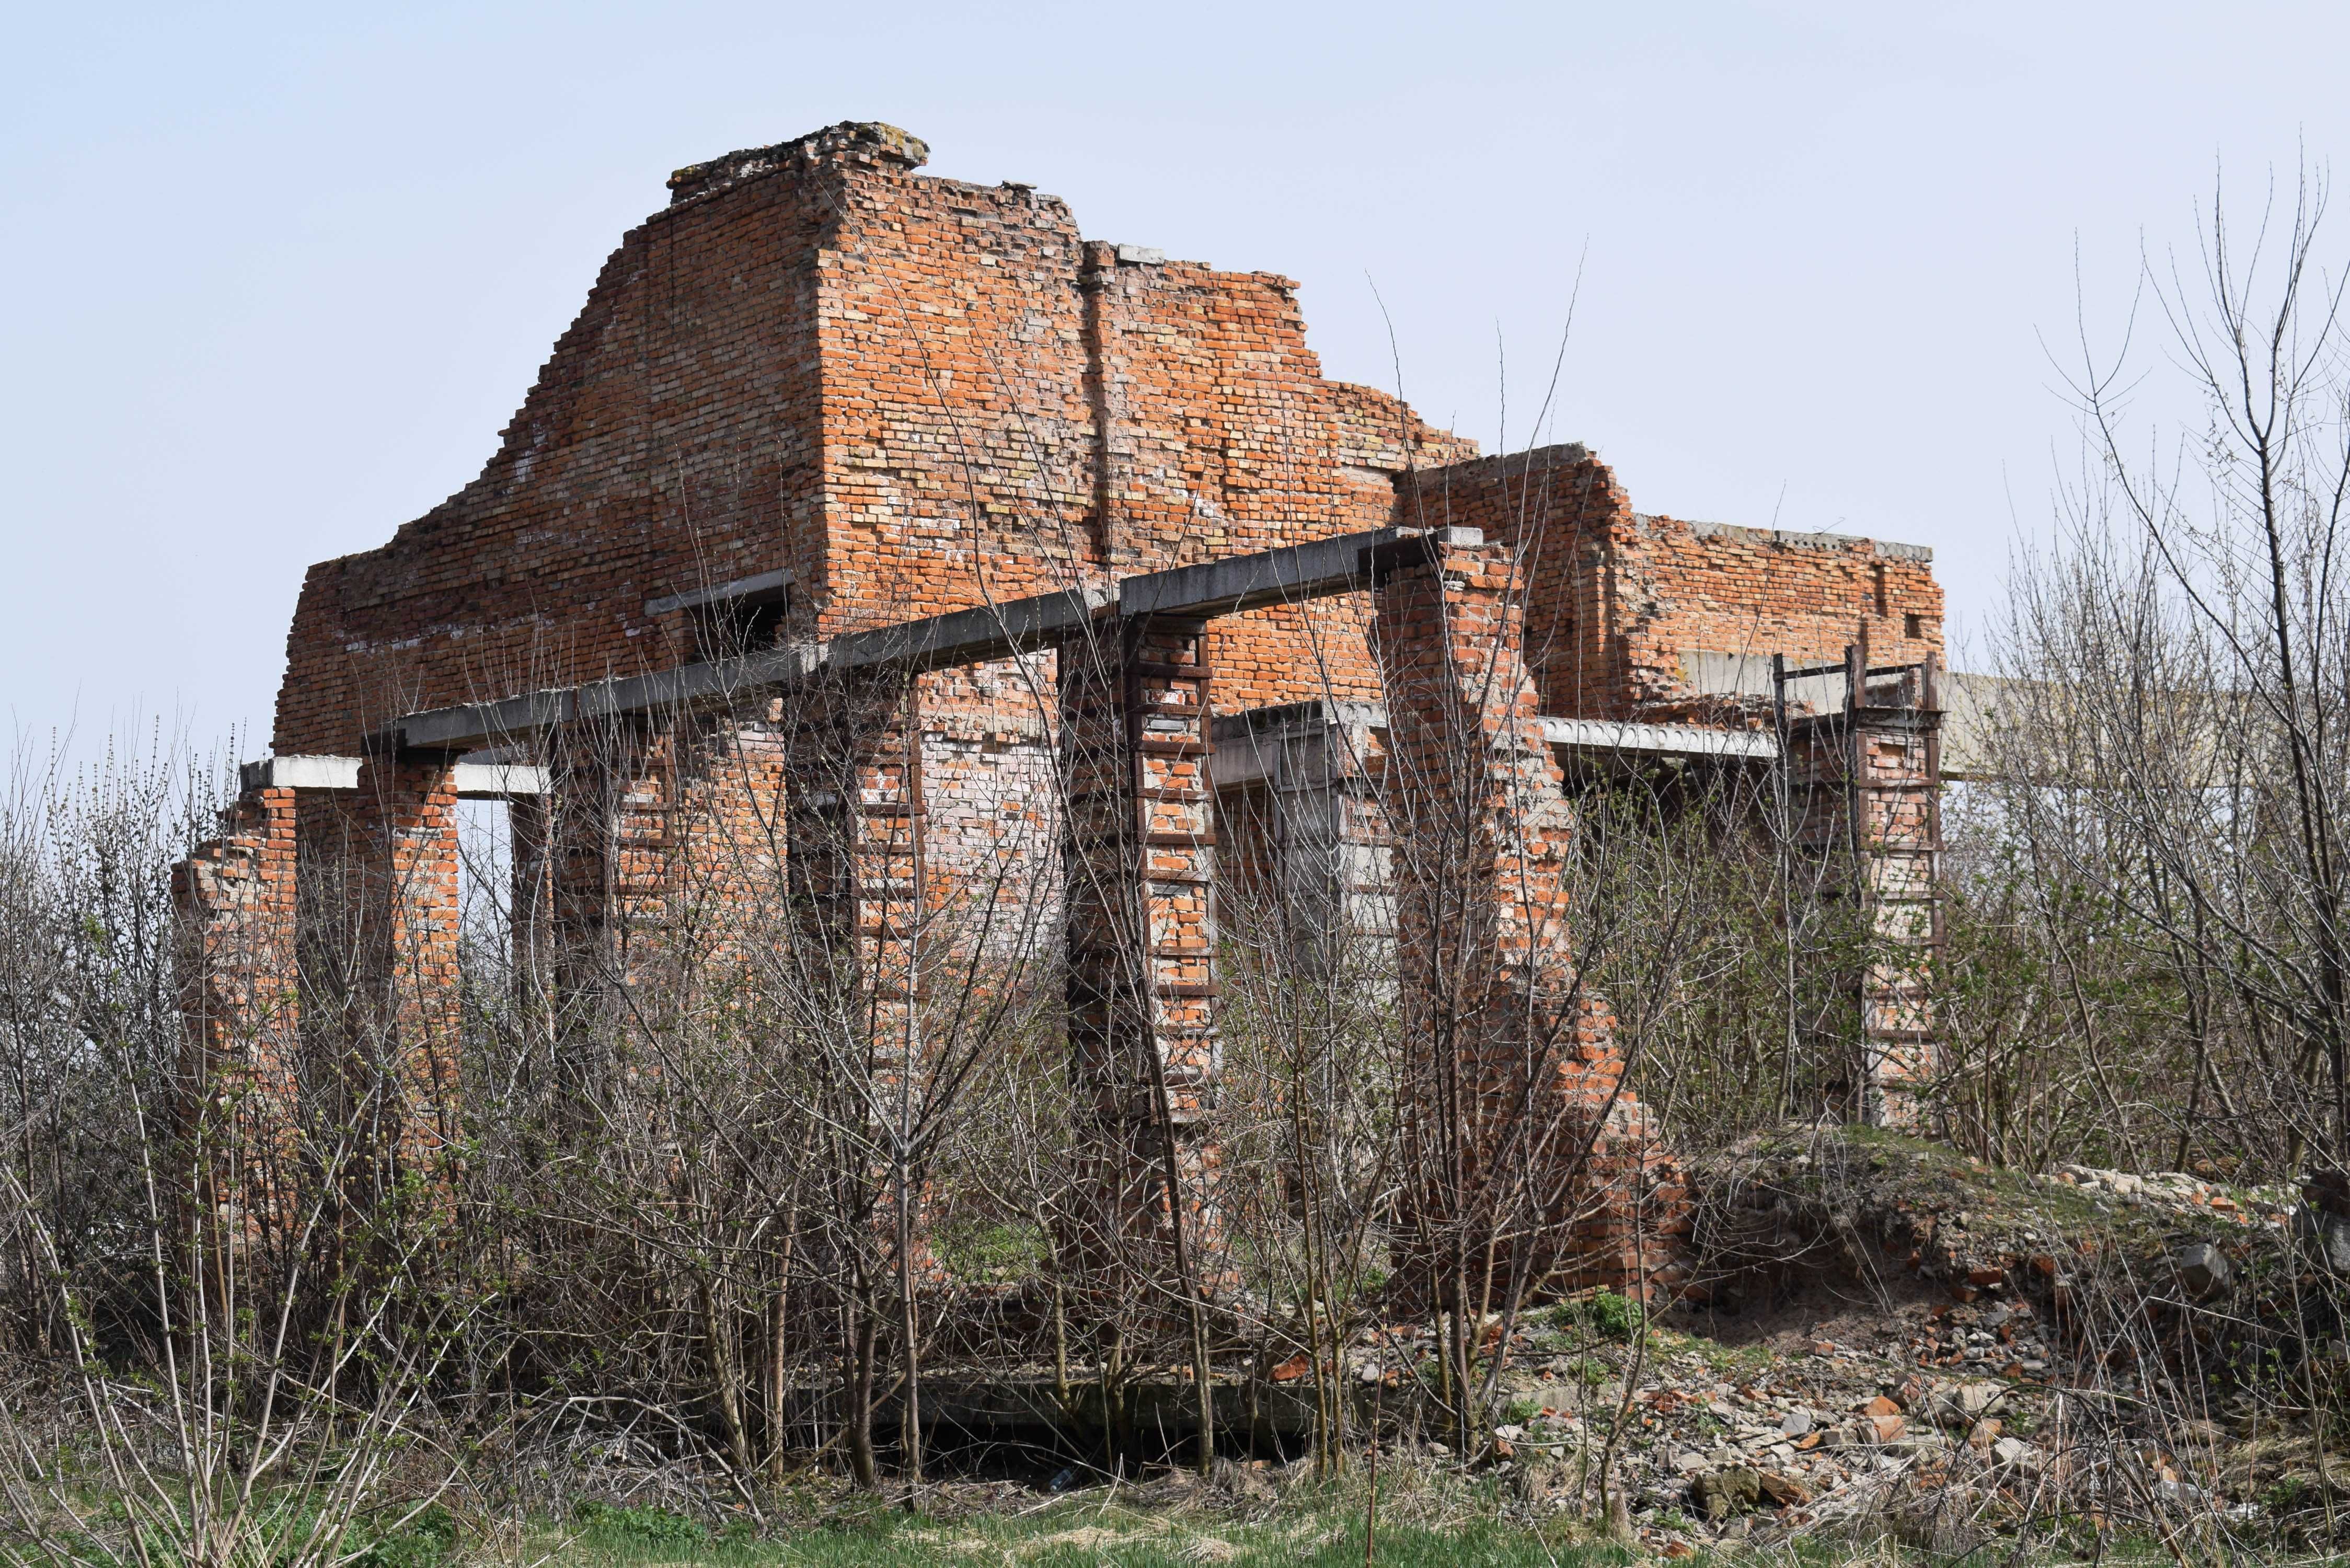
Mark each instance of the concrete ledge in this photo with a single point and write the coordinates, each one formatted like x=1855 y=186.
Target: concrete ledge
x=1610 y=735
x=763 y=586
x=300 y=772
x=476 y=781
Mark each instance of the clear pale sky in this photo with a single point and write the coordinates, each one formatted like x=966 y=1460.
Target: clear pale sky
x=278 y=274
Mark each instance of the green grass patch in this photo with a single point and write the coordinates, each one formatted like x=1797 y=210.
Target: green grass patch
x=638 y=1528
x=991 y=1251
x=1080 y=1533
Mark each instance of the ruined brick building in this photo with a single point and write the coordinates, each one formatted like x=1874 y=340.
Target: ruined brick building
x=1119 y=563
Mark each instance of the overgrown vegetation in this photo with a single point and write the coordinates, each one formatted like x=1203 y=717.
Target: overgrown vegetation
x=700 y=1244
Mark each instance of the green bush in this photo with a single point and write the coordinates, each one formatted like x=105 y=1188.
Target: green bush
x=1604 y=1314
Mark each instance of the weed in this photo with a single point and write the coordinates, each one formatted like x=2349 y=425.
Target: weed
x=617 y=1523
x=999 y=1252
x=425 y=1542
x=1603 y=1314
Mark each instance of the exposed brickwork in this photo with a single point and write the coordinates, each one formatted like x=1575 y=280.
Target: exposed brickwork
x=1621 y=604
x=405 y=876
x=1520 y=1126
x=910 y=395
x=1866 y=782
x=855 y=804
x=241 y=998
x=1140 y=936
x=914 y=394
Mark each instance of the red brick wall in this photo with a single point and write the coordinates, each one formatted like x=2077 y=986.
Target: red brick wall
x=1224 y=440
x=668 y=443
x=1509 y=1056
x=915 y=394
x=1617 y=599
x=956 y=435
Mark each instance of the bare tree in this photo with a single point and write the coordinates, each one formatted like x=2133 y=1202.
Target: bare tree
x=2175 y=738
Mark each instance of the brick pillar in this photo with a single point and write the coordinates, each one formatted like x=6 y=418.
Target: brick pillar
x=1530 y=1157
x=1868 y=782
x=594 y=867
x=854 y=815
x=596 y=852
x=854 y=806
x=404 y=882
x=241 y=1000
x=1139 y=856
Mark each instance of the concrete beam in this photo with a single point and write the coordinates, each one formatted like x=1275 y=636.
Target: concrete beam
x=300 y=772
x=471 y=725
x=1659 y=740
x=1312 y=570
x=968 y=637
x=1343 y=565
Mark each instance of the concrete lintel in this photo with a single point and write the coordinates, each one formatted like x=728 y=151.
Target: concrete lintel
x=499 y=780
x=476 y=781
x=762 y=585
x=300 y=772
x=1659 y=740
x=1238 y=583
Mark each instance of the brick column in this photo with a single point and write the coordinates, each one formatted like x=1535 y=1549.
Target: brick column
x=1530 y=1156
x=854 y=806
x=404 y=881
x=1868 y=782
x=241 y=999
x=854 y=815
x=1140 y=861
x=598 y=852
